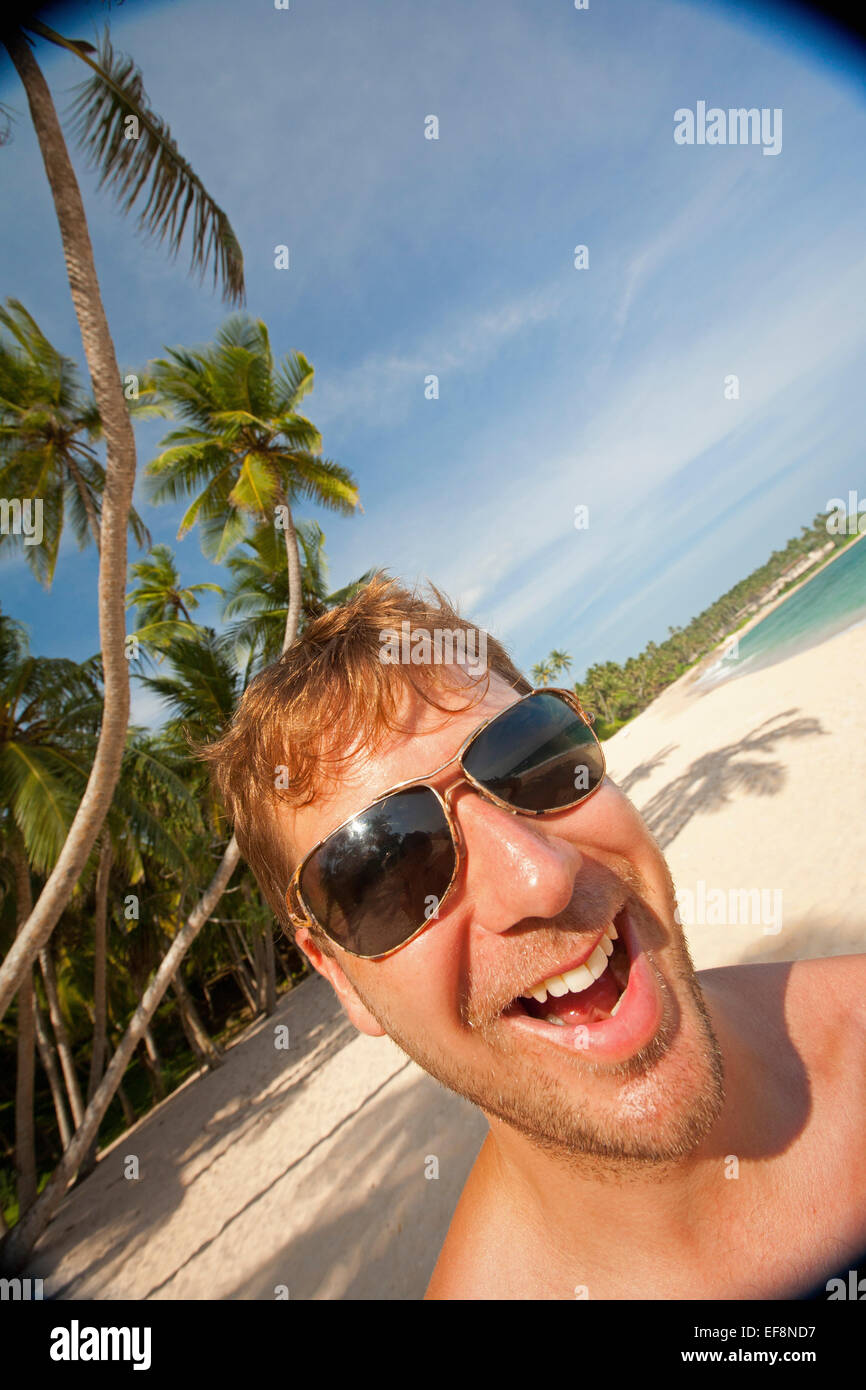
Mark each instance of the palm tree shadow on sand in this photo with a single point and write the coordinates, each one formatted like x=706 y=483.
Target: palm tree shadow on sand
x=645 y=769
x=711 y=780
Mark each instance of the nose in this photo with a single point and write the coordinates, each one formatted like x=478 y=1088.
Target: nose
x=514 y=866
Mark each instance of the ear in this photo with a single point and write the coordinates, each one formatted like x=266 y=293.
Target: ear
x=356 y=1011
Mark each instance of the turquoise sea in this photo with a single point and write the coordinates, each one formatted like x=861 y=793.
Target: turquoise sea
x=824 y=606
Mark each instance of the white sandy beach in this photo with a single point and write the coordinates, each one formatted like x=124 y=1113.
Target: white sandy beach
x=303 y=1171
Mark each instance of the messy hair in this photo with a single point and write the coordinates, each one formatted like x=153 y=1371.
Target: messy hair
x=328 y=698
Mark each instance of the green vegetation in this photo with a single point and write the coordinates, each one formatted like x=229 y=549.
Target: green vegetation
x=615 y=693
x=164 y=831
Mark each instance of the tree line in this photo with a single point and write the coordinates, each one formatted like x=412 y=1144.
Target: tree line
x=614 y=692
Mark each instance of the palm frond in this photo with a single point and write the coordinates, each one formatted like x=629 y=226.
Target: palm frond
x=110 y=105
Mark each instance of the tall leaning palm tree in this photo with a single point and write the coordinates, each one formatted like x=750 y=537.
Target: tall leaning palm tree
x=48 y=426
x=244 y=453
x=150 y=172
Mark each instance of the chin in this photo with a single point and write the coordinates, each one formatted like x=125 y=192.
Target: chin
x=655 y=1107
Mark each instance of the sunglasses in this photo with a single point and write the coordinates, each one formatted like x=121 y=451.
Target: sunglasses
x=381 y=877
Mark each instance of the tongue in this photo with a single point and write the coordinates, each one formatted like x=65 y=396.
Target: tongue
x=589 y=1006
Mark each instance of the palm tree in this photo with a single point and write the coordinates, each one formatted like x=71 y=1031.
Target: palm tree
x=560 y=662
x=542 y=673
x=47 y=428
x=150 y=166
x=603 y=686
x=25 y=1137
x=47 y=715
x=295 y=472
x=164 y=606
x=45 y=741
x=245 y=455
x=258 y=593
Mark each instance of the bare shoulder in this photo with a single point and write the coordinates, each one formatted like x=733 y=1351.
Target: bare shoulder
x=458 y=1274
x=845 y=975
x=823 y=1000
x=473 y=1263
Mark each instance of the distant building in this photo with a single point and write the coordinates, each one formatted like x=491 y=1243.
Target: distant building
x=799 y=567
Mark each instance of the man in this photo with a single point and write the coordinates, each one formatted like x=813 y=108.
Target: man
x=509 y=921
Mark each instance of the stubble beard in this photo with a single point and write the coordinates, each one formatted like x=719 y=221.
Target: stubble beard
x=544 y=1110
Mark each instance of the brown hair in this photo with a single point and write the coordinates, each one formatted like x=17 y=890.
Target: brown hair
x=327 y=698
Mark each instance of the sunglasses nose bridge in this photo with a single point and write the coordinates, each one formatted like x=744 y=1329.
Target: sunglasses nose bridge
x=448 y=792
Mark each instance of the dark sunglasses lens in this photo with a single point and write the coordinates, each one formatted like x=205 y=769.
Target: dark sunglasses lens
x=377 y=880
x=538 y=756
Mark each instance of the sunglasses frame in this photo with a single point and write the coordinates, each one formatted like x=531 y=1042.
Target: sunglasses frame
x=304 y=916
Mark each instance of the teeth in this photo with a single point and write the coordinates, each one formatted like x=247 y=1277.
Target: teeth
x=617 y=1004
x=579 y=979
x=597 y=963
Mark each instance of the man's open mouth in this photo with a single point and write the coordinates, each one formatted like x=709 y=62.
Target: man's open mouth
x=607 y=1004
x=587 y=994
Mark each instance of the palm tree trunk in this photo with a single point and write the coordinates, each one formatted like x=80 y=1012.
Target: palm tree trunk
x=261 y=973
x=25 y=1136
x=125 y=1105
x=48 y=1057
x=284 y=965
x=293 y=567
x=154 y=1066
x=20 y=1241
x=202 y=1044
x=116 y=501
x=270 y=972
x=100 y=999
x=58 y=1023
x=100 y=952
x=245 y=945
x=241 y=973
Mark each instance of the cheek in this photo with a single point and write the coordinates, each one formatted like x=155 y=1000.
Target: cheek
x=419 y=987
x=615 y=826
x=618 y=833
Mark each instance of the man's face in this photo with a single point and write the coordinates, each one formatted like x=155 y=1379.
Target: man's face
x=532 y=899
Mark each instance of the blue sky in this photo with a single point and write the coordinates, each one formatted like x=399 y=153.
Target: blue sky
x=558 y=386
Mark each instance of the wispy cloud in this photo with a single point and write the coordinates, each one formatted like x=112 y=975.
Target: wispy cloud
x=383 y=387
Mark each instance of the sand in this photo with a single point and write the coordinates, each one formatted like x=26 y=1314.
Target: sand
x=330 y=1169
x=760 y=783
